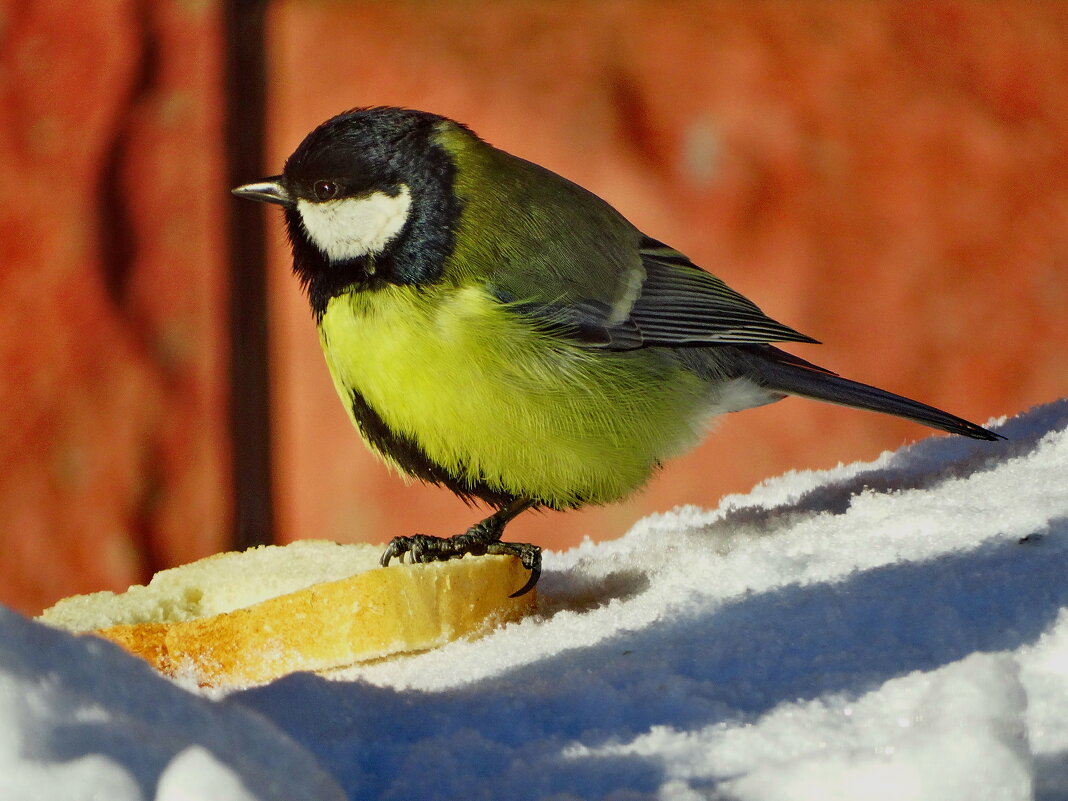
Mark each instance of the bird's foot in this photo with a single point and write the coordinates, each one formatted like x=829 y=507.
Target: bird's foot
x=530 y=557
x=478 y=540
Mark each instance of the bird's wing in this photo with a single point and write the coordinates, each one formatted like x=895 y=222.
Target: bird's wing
x=573 y=264
x=667 y=301
x=681 y=304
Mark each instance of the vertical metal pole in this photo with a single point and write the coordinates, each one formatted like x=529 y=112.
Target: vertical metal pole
x=250 y=423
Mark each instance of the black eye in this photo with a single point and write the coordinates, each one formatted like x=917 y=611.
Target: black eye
x=324 y=190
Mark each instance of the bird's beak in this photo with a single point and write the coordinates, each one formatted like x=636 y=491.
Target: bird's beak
x=269 y=190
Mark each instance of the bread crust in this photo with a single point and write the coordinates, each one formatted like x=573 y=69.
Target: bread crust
x=330 y=624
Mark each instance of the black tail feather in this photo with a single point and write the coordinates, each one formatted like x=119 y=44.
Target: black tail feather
x=792 y=376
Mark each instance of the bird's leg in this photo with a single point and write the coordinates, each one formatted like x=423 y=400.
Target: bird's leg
x=482 y=538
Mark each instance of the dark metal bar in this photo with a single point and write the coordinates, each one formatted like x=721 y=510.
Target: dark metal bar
x=250 y=424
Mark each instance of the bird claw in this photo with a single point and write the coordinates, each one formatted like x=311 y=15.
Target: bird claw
x=423 y=548
x=418 y=548
x=528 y=555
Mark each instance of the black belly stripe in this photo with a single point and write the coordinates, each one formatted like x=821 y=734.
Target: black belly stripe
x=414 y=461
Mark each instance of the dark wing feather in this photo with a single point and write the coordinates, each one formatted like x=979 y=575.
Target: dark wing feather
x=678 y=304
x=681 y=304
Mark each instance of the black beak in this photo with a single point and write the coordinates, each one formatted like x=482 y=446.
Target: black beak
x=269 y=190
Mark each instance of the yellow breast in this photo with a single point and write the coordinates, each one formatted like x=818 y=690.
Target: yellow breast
x=488 y=397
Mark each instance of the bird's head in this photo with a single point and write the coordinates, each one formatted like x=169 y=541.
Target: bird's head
x=368 y=199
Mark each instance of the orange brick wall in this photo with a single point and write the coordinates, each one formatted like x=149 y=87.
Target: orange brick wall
x=112 y=295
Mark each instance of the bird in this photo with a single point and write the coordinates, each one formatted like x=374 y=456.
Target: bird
x=496 y=329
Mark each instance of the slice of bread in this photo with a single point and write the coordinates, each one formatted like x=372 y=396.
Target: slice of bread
x=247 y=617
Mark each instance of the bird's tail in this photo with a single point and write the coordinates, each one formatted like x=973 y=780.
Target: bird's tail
x=781 y=372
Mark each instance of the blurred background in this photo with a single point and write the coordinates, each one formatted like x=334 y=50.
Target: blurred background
x=888 y=177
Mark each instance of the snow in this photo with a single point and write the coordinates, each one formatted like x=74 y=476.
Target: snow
x=888 y=630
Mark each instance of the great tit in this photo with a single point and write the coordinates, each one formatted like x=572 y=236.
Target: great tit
x=496 y=329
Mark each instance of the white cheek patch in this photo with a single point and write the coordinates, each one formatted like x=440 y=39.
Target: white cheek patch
x=351 y=227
